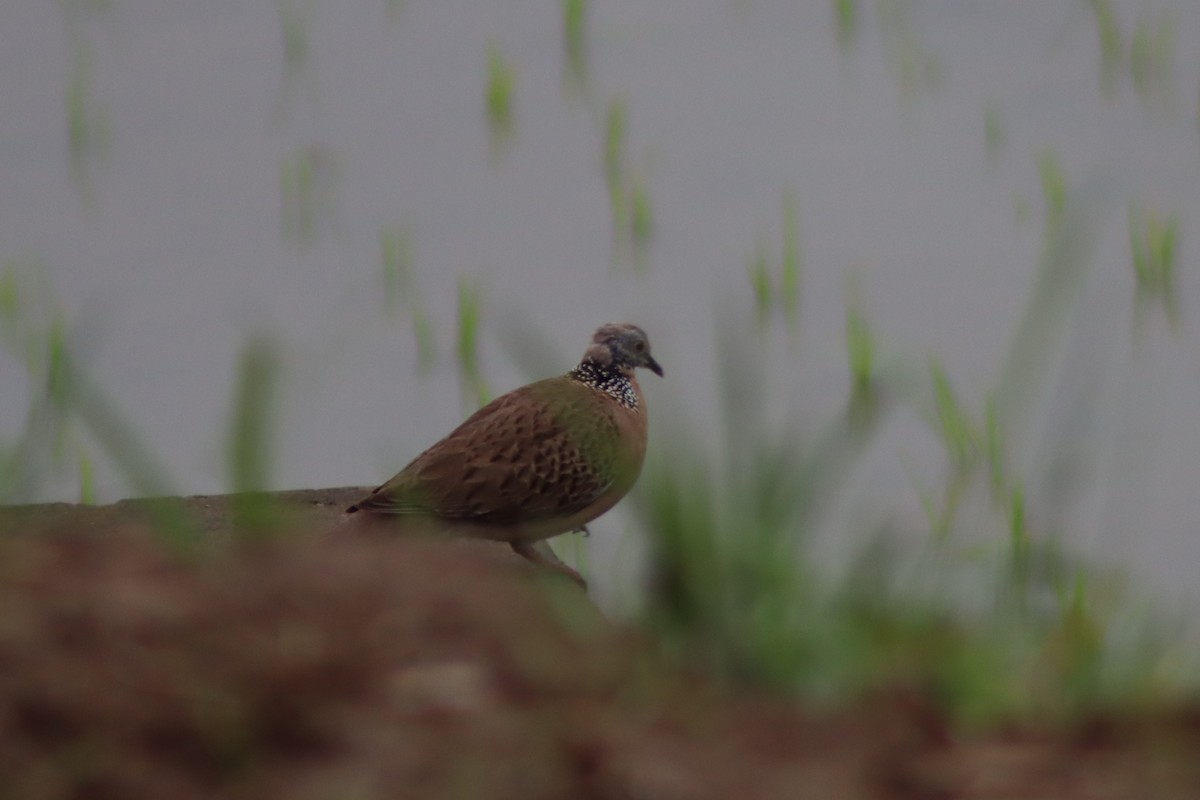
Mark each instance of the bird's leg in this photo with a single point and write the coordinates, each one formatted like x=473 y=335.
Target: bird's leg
x=539 y=553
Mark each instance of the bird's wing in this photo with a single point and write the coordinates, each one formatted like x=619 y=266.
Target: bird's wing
x=546 y=450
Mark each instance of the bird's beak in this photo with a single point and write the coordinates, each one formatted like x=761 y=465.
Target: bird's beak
x=653 y=366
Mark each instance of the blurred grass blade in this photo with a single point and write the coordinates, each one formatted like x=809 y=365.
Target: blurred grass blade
x=1067 y=243
x=641 y=222
x=1151 y=67
x=295 y=22
x=146 y=476
x=88 y=123
x=915 y=66
x=760 y=281
x=846 y=22
x=575 y=42
x=251 y=436
x=860 y=351
x=475 y=392
x=614 y=143
x=395 y=261
x=296 y=19
x=87 y=479
x=789 y=273
x=1153 y=243
x=400 y=291
x=1112 y=51
x=308 y=181
x=993 y=133
x=252 y=422
x=959 y=434
x=501 y=85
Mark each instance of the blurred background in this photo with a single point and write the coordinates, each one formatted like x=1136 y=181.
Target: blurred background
x=973 y=220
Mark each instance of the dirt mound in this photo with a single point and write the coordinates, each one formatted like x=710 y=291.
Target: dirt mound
x=309 y=667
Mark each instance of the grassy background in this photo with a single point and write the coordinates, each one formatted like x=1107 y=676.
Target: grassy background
x=983 y=609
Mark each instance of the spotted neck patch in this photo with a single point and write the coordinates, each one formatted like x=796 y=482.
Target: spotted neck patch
x=609 y=380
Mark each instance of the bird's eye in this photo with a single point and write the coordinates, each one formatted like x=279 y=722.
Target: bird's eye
x=639 y=346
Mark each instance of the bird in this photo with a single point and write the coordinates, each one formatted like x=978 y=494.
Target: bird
x=539 y=461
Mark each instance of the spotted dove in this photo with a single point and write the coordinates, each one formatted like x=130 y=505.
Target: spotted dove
x=539 y=461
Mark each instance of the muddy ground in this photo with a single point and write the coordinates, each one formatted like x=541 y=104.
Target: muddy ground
x=308 y=666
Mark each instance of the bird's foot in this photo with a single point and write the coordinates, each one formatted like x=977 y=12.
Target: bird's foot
x=540 y=553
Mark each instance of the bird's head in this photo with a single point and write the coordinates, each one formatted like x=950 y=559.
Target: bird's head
x=622 y=345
